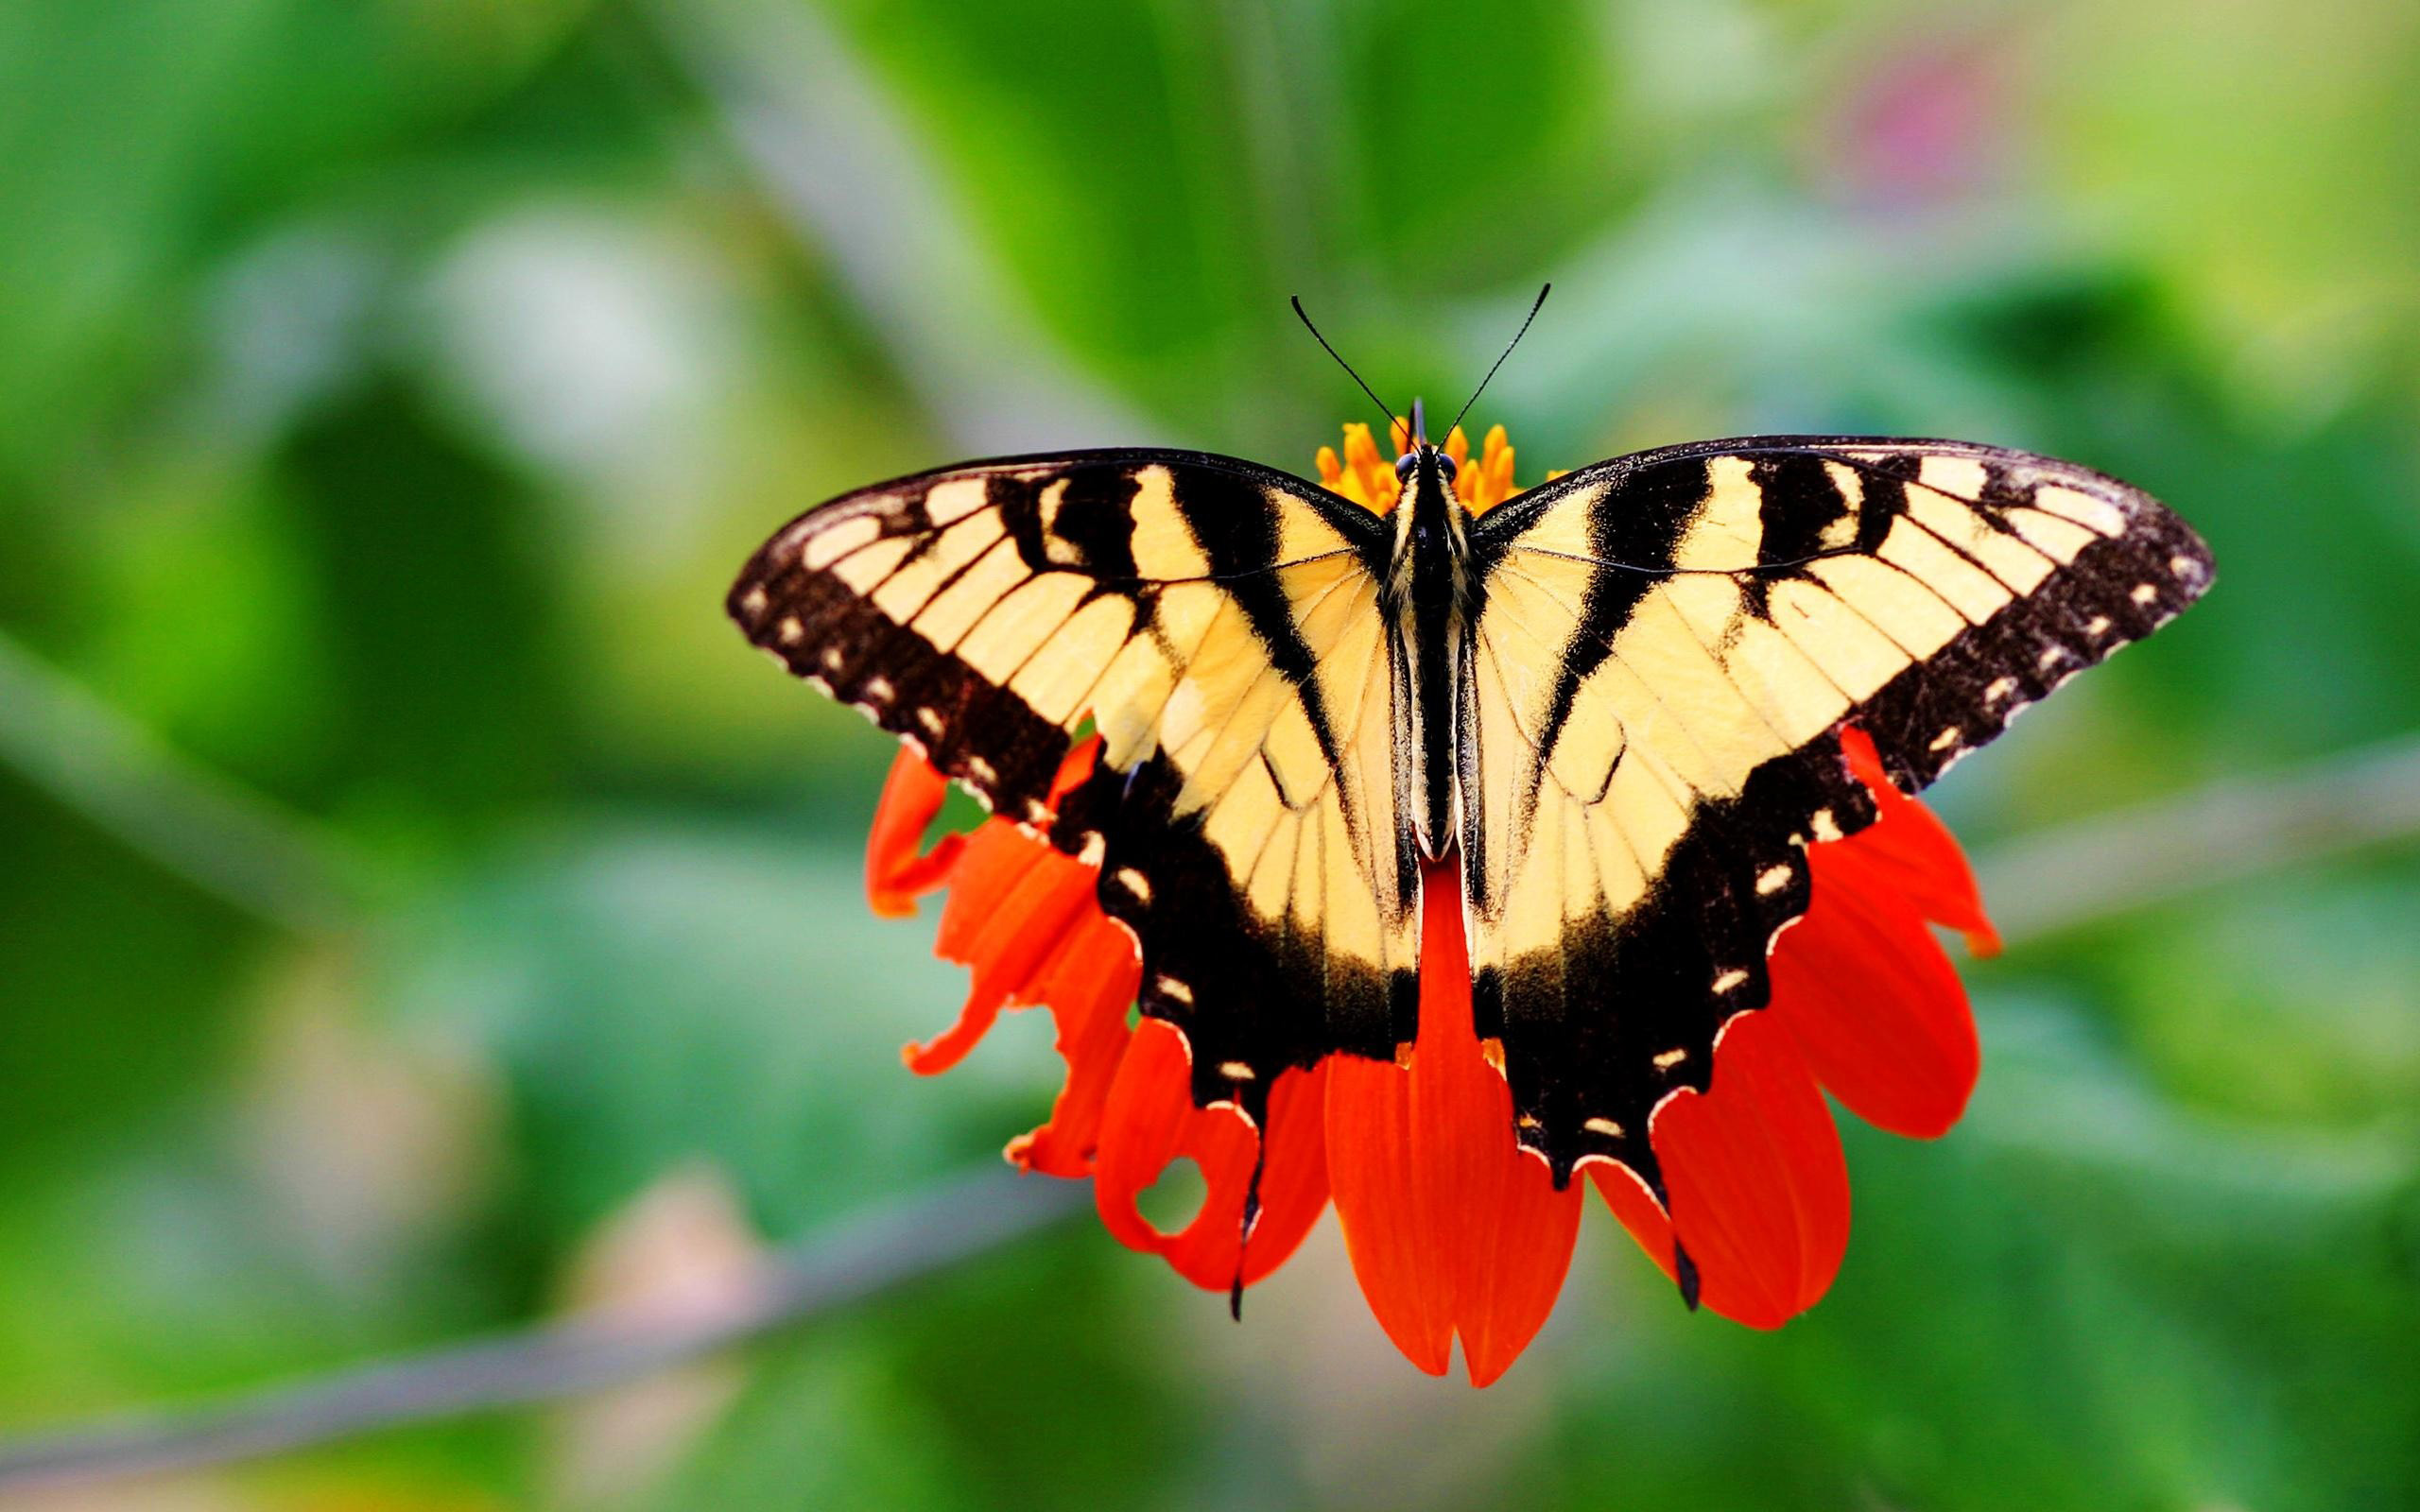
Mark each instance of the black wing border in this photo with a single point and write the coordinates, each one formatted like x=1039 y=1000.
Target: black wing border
x=1500 y=530
x=1363 y=527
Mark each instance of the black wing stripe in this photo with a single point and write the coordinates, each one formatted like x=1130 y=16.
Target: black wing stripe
x=1612 y=653
x=1239 y=538
x=1238 y=721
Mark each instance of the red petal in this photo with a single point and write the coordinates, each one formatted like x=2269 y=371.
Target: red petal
x=1015 y=904
x=1026 y=917
x=1873 y=1001
x=896 y=872
x=1397 y=1244
x=1760 y=1191
x=1293 y=1186
x=1150 y=1121
x=1523 y=1252
x=1076 y=766
x=1916 y=852
x=1088 y=988
x=1452 y=1228
x=1638 y=1211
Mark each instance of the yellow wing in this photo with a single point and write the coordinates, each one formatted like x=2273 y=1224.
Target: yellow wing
x=1668 y=646
x=1217 y=622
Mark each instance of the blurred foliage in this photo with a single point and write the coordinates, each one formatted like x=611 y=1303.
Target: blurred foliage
x=387 y=391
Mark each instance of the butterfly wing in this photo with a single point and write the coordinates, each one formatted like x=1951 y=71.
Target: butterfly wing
x=1668 y=646
x=1217 y=623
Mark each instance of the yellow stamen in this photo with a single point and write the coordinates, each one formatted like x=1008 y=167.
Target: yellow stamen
x=1367 y=475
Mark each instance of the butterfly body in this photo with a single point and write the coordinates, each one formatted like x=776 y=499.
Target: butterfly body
x=1613 y=703
x=1429 y=601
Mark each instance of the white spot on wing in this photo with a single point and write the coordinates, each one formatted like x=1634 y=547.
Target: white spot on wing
x=1055 y=547
x=1772 y=879
x=1960 y=478
x=1174 y=991
x=954 y=500
x=1136 y=882
x=1729 y=980
x=2096 y=514
x=1851 y=484
x=827 y=547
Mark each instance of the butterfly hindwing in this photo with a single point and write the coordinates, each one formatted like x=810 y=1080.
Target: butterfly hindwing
x=1216 y=624
x=1667 y=649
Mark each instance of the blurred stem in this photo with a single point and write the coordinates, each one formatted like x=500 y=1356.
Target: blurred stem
x=233 y=844
x=2110 y=864
x=2063 y=879
x=859 y=1259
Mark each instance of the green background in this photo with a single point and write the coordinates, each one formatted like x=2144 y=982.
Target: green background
x=418 y=911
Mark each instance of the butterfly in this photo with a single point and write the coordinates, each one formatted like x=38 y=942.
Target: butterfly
x=1616 y=700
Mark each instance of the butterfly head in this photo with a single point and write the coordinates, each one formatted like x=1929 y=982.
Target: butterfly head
x=1431 y=526
x=1424 y=461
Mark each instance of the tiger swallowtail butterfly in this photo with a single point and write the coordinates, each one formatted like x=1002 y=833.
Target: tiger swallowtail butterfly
x=1619 y=696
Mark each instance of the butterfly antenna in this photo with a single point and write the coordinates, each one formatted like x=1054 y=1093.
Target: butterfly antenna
x=1389 y=428
x=1499 y=360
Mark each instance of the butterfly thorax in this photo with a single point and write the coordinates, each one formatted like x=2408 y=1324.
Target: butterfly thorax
x=1428 y=600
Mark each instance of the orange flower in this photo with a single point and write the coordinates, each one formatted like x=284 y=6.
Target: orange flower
x=1453 y=1229
x=1367 y=477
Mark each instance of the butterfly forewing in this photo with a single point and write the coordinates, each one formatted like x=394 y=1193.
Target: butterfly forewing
x=1668 y=646
x=1218 y=624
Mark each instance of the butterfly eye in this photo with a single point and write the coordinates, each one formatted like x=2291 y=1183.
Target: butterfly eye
x=1445 y=467
x=1404 y=465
